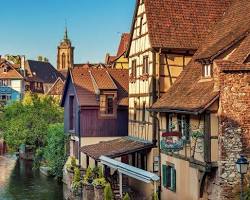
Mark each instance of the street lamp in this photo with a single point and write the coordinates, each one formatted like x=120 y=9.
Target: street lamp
x=242 y=166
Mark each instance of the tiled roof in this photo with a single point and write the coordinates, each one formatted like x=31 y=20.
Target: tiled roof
x=180 y=23
x=57 y=87
x=124 y=42
x=115 y=148
x=42 y=70
x=190 y=92
x=235 y=24
x=226 y=65
x=12 y=73
x=88 y=80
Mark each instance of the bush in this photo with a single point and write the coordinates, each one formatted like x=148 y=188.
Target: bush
x=77 y=175
x=73 y=162
x=155 y=196
x=76 y=183
x=99 y=182
x=88 y=176
x=108 y=195
x=126 y=197
x=54 y=151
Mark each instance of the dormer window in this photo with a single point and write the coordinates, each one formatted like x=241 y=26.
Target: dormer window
x=207 y=70
x=5 y=69
x=107 y=105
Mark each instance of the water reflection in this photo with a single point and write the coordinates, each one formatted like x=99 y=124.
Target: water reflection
x=19 y=182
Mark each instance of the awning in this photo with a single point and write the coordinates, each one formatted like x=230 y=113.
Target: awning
x=129 y=170
x=116 y=148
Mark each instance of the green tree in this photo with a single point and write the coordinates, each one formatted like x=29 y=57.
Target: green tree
x=54 y=151
x=27 y=122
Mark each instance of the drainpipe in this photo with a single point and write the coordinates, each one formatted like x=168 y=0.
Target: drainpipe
x=156 y=131
x=79 y=134
x=152 y=114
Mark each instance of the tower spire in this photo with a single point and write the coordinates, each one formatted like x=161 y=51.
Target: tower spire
x=66 y=34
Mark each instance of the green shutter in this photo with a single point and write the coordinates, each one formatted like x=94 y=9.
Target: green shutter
x=164 y=175
x=173 y=185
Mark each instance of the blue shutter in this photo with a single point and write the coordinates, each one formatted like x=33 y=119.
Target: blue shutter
x=164 y=175
x=173 y=181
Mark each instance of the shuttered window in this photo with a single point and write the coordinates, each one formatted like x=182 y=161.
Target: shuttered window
x=169 y=177
x=145 y=65
x=133 y=69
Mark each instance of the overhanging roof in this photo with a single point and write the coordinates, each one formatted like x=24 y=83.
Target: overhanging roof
x=129 y=170
x=116 y=148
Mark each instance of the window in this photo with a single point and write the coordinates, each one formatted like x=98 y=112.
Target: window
x=107 y=106
x=144 y=111
x=71 y=113
x=5 y=82
x=133 y=69
x=170 y=125
x=110 y=104
x=183 y=125
x=63 y=61
x=141 y=20
x=145 y=65
x=5 y=97
x=169 y=177
x=5 y=69
x=135 y=106
x=207 y=70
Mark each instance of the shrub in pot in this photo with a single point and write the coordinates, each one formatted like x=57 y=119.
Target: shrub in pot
x=99 y=184
x=126 y=197
x=108 y=195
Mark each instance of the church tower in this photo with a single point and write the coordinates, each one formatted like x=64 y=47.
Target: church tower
x=65 y=53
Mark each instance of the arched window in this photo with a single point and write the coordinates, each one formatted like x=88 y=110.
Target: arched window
x=63 y=61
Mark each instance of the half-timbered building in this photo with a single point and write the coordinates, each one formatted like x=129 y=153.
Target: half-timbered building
x=203 y=117
x=164 y=36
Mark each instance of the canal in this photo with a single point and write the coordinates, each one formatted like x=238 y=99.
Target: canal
x=18 y=181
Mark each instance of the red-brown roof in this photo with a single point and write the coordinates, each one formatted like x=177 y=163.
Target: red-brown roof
x=226 y=65
x=124 y=42
x=88 y=80
x=234 y=26
x=181 y=24
x=190 y=92
x=115 y=148
x=57 y=87
x=11 y=73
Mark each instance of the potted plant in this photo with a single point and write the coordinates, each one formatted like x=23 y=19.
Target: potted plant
x=99 y=184
x=88 y=188
x=126 y=197
x=76 y=183
x=108 y=195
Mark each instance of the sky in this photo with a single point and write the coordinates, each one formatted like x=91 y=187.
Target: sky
x=35 y=27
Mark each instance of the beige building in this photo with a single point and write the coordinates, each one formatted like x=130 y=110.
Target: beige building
x=202 y=118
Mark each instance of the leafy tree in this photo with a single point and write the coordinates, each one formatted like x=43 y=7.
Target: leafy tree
x=27 y=122
x=54 y=151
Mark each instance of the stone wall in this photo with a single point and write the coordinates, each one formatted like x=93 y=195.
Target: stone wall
x=234 y=131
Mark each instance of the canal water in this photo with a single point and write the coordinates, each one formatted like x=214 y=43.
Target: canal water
x=18 y=181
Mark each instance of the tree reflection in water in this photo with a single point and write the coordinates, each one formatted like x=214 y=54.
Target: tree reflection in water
x=19 y=181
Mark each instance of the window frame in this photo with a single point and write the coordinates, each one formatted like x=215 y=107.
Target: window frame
x=183 y=126
x=133 y=68
x=207 y=70
x=145 y=65
x=169 y=177
x=144 y=111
